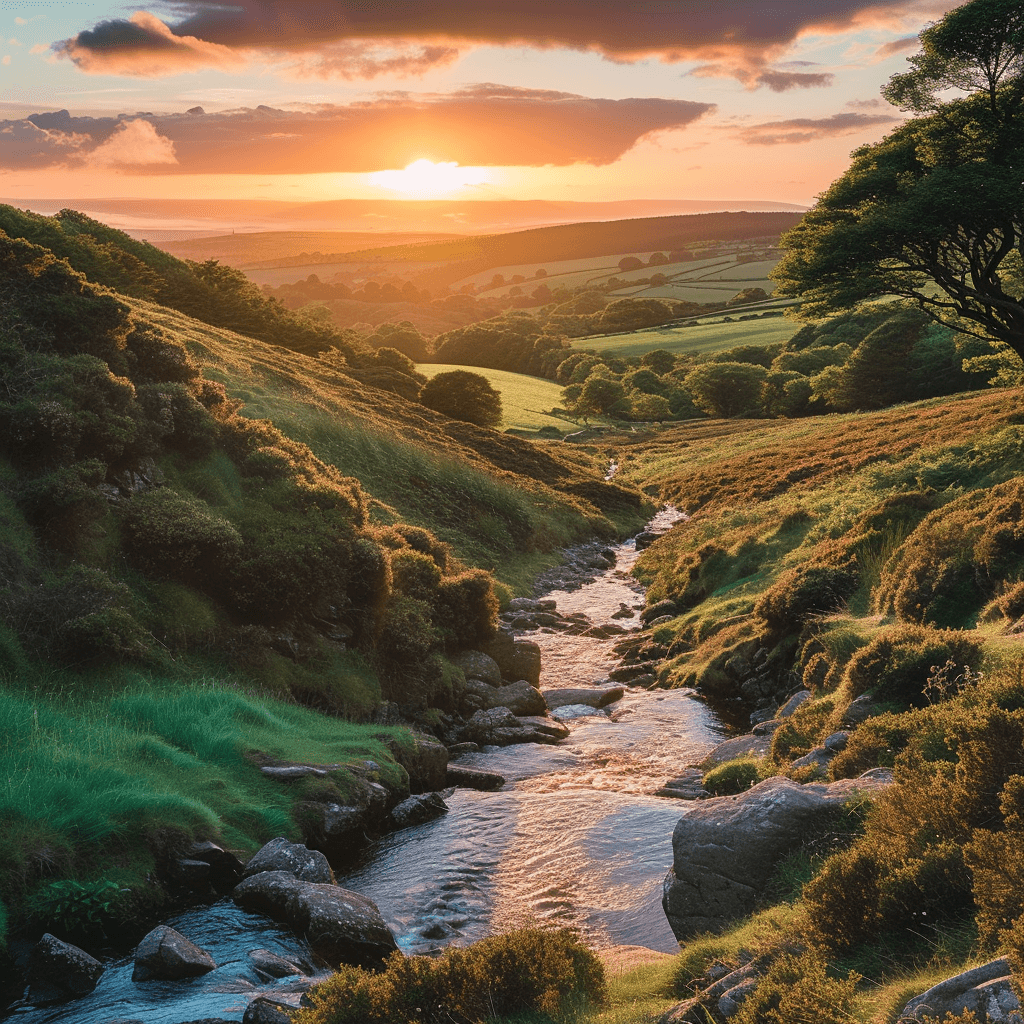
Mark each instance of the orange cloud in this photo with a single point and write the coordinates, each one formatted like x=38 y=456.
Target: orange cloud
x=808 y=129
x=734 y=35
x=485 y=125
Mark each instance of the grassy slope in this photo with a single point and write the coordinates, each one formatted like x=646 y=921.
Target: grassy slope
x=463 y=482
x=524 y=399
x=715 y=337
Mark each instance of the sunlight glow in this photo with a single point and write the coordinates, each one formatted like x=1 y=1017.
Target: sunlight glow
x=425 y=178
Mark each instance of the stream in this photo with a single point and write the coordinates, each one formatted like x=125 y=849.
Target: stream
x=576 y=837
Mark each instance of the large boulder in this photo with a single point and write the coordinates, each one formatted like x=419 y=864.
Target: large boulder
x=416 y=810
x=520 y=697
x=293 y=859
x=267 y=1011
x=167 y=955
x=477 y=665
x=58 y=971
x=985 y=990
x=738 y=746
x=726 y=848
x=526 y=662
x=340 y=926
x=592 y=696
x=426 y=762
x=469 y=778
x=483 y=723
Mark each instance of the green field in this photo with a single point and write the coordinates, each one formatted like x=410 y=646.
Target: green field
x=715 y=337
x=524 y=400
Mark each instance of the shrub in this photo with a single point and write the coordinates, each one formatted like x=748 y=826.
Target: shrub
x=799 y=988
x=807 y=590
x=80 y=910
x=524 y=971
x=415 y=574
x=733 y=777
x=896 y=664
x=467 y=608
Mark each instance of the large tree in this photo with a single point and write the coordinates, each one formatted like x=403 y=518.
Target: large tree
x=935 y=211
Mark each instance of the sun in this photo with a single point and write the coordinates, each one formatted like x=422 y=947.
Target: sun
x=425 y=178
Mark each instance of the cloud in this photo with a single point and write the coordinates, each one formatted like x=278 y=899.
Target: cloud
x=897 y=46
x=782 y=81
x=365 y=61
x=26 y=146
x=134 y=144
x=807 y=129
x=730 y=34
x=484 y=125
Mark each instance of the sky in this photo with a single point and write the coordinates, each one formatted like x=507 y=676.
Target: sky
x=527 y=99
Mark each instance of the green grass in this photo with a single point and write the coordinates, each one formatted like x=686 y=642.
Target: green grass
x=92 y=774
x=703 y=338
x=525 y=400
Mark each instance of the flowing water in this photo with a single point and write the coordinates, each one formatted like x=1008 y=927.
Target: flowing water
x=575 y=837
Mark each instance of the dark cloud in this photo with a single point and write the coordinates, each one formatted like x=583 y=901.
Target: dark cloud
x=807 y=129
x=488 y=125
x=782 y=81
x=733 y=34
x=897 y=46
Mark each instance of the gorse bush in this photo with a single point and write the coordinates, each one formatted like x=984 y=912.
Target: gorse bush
x=799 y=990
x=521 y=972
x=733 y=777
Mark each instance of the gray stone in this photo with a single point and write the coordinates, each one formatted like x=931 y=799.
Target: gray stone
x=799 y=698
x=269 y=965
x=656 y=611
x=530 y=729
x=986 y=990
x=768 y=728
x=567 y=712
x=626 y=673
x=469 y=778
x=58 y=971
x=266 y=1011
x=477 y=665
x=859 y=711
x=426 y=762
x=502 y=648
x=519 y=697
x=526 y=663
x=647 y=681
x=595 y=697
x=225 y=868
x=483 y=723
x=339 y=925
x=818 y=759
x=661 y=620
x=416 y=810
x=294 y=859
x=837 y=741
x=738 y=746
x=167 y=955
x=457 y=749
x=726 y=848
x=530 y=604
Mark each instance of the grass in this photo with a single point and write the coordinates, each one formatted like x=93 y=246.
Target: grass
x=702 y=338
x=94 y=774
x=525 y=400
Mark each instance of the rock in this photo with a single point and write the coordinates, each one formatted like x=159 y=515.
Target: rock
x=339 y=925
x=688 y=786
x=529 y=604
x=647 y=681
x=626 y=673
x=645 y=539
x=340 y=832
x=730 y=1002
x=658 y=610
x=837 y=741
x=624 y=612
x=167 y=955
x=225 y=868
x=483 y=723
x=477 y=665
x=720 y=1000
x=526 y=663
x=595 y=697
x=763 y=715
x=469 y=778
x=502 y=648
x=986 y=990
x=726 y=848
x=768 y=728
x=457 y=749
x=567 y=712
x=859 y=710
x=818 y=759
x=265 y=1011
x=269 y=965
x=520 y=697
x=191 y=874
x=426 y=763
x=738 y=746
x=798 y=698
x=661 y=620
x=416 y=810
x=294 y=859
x=58 y=971
x=530 y=729
x=738 y=667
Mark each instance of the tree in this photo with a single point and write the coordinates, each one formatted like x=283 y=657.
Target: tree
x=727 y=389
x=462 y=395
x=940 y=200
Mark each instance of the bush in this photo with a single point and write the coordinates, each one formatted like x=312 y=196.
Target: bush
x=524 y=971
x=415 y=574
x=896 y=665
x=799 y=989
x=467 y=608
x=810 y=589
x=733 y=777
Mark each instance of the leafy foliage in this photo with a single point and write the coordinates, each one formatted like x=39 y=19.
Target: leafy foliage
x=463 y=395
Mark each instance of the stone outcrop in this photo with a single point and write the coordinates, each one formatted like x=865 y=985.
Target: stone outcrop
x=426 y=762
x=269 y=965
x=293 y=859
x=58 y=971
x=519 y=697
x=470 y=778
x=726 y=848
x=416 y=810
x=499 y=727
x=167 y=955
x=477 y=665
x=340 y=926
x=985 y=990
x=591 y=696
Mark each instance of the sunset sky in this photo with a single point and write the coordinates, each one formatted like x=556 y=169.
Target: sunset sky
x=312 y=99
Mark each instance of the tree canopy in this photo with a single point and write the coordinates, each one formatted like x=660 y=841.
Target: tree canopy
x=465 y=396
x=938 y=202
